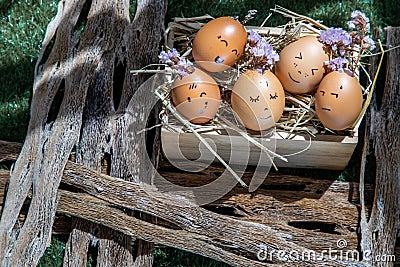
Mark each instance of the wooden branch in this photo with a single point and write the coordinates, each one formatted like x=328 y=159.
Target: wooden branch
x=379 y=230
x=92 y=209
x=206 y=241
x=245 y=237
x=49 y=140
x=281 y=199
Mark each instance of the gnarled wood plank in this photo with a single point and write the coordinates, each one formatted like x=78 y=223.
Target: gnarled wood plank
x=379 y=230
x=322 y=206
x=49 y=140
x=243 y=236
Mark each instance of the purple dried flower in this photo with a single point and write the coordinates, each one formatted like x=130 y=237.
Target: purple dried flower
x=265 y=51
x=169 y=58
x=249 y=16
x=164 y=58
x=173 y=54
x=254 y=37
x=335 y=37
x=360 y=21
x=337 y=63
x=184 y=63
x=357 y=14
x=263 y=54
x=182 y=68
x=338 y=39
x=369 y=43
x=257 y=51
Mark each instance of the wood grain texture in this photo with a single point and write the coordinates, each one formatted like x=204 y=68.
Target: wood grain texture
x=325 y=152
x=325 y=207
x=195 y=229
x=380 y=228
x=49 y=140
x=105 y=21
x=81 y=90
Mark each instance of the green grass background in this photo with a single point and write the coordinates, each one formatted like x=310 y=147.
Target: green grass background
x=22 y=28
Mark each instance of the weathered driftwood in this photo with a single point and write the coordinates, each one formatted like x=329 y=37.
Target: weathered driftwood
x=325 y=207
x=380 y=229
x=196 y=229
x=81 y=90
x=128 y=45
x=49 y=140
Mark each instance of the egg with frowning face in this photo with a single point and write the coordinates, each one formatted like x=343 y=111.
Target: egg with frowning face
x=301 y=65
x=196 y=97
x=219 y=44
x=258 y=100
x=338 y=100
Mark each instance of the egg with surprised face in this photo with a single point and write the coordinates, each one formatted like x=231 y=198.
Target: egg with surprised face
x=196 y=97
x=258 y=100
x=301 y=65
x=338 y=100
x=219 y=44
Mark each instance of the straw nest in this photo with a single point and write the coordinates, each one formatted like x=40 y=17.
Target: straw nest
x=299 y=115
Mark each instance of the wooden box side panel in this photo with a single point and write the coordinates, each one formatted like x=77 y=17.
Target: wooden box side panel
x=320 y=154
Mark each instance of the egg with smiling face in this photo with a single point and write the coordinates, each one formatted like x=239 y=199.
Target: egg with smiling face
x=301 y=65
x=338 y=100
x=196 y=97
x=219 y=44
x=258 y=100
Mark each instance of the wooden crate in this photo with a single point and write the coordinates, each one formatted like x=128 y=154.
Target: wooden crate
x=331 y=152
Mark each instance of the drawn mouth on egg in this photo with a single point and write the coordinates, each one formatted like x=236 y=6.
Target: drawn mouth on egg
x=327 y=109
x=290 y=76
x=219 y=60
x=266 y=118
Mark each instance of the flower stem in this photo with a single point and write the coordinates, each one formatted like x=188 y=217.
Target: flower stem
x=359 y=56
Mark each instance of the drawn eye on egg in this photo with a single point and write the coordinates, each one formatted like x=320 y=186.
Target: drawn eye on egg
x=222 y=40
x=255 y=99
x=192 y=86
x=273 y=96
x=313 y=70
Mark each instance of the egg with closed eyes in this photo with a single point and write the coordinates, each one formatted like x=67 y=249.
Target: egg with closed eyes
x=301 y=65
x=258 y=100
x=219 y=44
x=196 y=97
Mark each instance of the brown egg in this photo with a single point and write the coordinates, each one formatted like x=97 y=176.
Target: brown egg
x=258 y=100
x=338 y=100
x=219 y=44
x=196 y=97
x=301 y=65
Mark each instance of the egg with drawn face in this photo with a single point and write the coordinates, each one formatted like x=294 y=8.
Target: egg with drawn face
x=301 y=65
x=219 y=44
x=196 y=97
x=338 y=100
x=258 y=100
